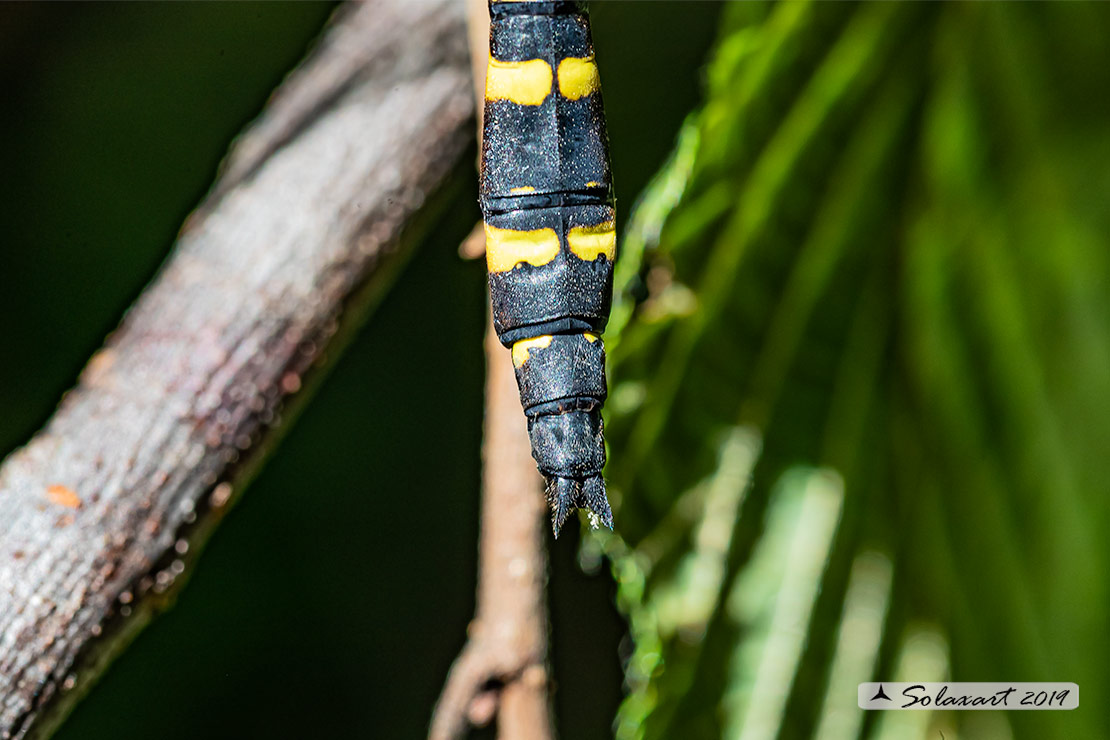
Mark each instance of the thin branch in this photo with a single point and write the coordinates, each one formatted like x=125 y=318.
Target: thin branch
x=502 y=670
x=105 y=509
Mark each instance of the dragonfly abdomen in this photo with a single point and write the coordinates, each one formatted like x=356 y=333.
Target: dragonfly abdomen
x=547 y=202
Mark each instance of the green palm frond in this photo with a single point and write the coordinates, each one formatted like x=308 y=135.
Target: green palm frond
x=858 y=422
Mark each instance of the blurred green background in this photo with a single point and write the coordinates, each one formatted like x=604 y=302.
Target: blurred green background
x=859 y=368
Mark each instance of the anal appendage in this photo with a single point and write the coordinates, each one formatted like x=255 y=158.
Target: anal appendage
x=564 y=495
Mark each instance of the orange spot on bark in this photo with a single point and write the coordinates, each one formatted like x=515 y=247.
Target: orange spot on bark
x=98 y=367
x=291 y=383
x=63 y=496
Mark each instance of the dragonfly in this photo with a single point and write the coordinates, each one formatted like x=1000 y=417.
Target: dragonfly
x=548 y=207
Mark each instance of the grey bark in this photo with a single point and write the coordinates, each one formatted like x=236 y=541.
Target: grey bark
x=103 y=511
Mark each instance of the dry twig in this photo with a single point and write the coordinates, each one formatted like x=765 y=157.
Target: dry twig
x=502 y=670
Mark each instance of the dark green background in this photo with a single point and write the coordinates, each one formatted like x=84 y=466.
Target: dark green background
x=333 y=599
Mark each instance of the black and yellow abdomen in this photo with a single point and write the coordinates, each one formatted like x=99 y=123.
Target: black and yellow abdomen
x=547 y=202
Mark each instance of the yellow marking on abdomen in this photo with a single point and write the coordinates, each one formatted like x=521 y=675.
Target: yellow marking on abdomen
x=526 y=83
x=522 y=190
x=591 y=338
x=593 y=184
x=506 y=248
x=587 y=242
x=578 y=77
x=521 y=348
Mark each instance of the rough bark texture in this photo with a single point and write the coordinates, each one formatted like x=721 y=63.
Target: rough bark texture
x=502 y=670
x=101 y=512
